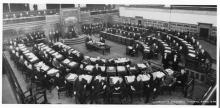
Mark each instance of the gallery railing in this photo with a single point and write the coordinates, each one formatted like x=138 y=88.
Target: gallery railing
x=13 y=81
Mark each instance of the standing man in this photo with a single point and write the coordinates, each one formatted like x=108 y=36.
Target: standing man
x=51 y=37
x=73 y=33
x=57 y=35
x=54 y=37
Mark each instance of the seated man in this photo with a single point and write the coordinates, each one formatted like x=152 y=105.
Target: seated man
x=56 y=63
x=88 y=38
x=117 y=87
x=175 y=62
x=60 y=83
x=102 y=40
x=167 y=83
x=202 y=56
x=99 y=85
x=96 y=71
x=181 y=81
x=165 y=61
x=154 y=50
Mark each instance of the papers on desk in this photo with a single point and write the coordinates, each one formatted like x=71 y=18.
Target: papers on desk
x=88 y=78
x=190 y=47
x=72 y=64
x=71 y=77
x=192 y=55
x=146 y=50
x=130 y=47
x=165 y=45
x=100 y=43
x=167 y=51
x=90 y=42
x=52 y=71
x=75 y=51
x=93 y=59
x=48 y=49
x=114 y=80
x=158 y=74
x=45 y=68
x=121 y=60
x=143 y=77
x=168 y=48
x=169 y=71
x=133 y=68
x=27 y=51
x=29 y=54
x=40 y=44
x=58 y=43
x=89 y=67
x=86 y=57
x=66 y=61
x=33 y=59
x=188 y=44
x=51 y=52
x=111 y=68
x=42 y=66
x=181 y=39
x=102 y=68
x=20 y=45
x=192 y=51
x=129 y=79
x=57 y=55
x=103 y=60
x=98 y=77
x=142 y=66
x=23 y=49
x=121 y=68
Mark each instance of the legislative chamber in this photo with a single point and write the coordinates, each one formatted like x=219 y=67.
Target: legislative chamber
x=109 y=54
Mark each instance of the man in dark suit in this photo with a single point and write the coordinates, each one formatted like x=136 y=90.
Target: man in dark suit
x=181 y=81
x=54 y=36
x=176 y=61
x=81 y=90
x=58 y=35
x=96 y=71
x=73 y=33
x=88 y=38
x=98 y=88
x=102 y=40
x=202 y=56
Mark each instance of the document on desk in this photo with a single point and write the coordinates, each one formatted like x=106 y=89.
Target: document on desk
x=121 y=68
x=71 y=77
x=130 y=79
x=52 y=71
x=142 y=65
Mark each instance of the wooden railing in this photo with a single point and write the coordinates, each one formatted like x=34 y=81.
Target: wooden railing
x=14 y=15
x=209 y=98
x=13 y=81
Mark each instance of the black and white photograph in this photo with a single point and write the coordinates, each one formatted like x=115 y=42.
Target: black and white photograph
x=109 y=54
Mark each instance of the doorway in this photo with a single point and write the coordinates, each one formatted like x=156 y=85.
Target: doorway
x=204 y=33
x=139 y=22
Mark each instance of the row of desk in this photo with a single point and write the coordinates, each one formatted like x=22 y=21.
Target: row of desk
x=190 y=49
x=117 y=38
x=35 y=61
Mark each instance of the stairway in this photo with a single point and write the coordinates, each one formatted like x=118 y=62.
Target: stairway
x=73 y=41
